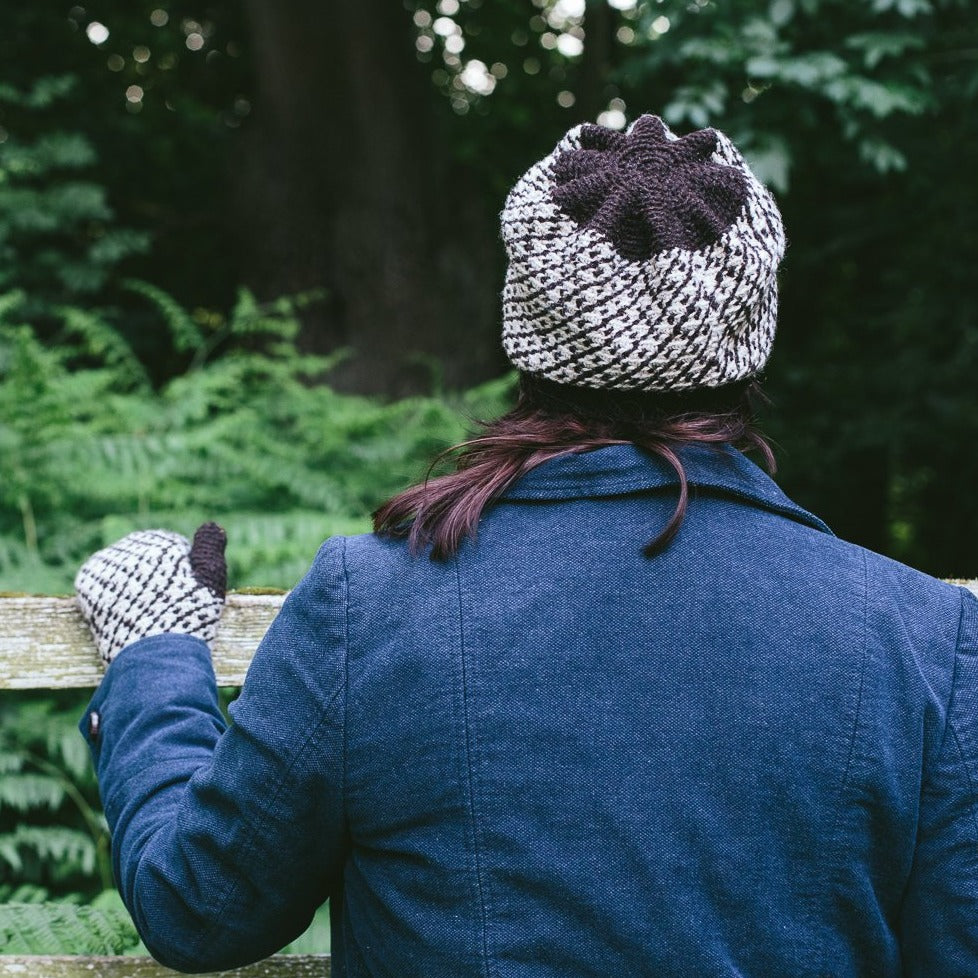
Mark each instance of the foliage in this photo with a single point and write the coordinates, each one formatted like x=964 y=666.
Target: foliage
x=91 y=450
x=54 y=843
x=52 y=834
x=122 y=109
x=32 y=928
x=57 y=236
x=777 y=74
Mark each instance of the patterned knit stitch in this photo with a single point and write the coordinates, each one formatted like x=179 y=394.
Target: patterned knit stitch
x=641 y=261
x=146 y=585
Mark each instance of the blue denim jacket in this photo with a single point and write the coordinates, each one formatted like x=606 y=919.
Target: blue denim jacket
x=755 y=754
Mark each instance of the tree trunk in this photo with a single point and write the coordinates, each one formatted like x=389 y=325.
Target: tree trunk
x=347 y=189
x=595 y=64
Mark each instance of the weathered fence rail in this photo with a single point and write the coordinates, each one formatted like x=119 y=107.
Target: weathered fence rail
x=45 y=643
x=282 y=966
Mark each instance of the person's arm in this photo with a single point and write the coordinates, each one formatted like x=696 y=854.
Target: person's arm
x=939 y=932
x=226 y=842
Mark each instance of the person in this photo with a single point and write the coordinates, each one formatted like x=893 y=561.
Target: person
x=602 y=700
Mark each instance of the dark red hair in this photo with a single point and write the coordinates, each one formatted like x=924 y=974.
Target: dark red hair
x=551 y=420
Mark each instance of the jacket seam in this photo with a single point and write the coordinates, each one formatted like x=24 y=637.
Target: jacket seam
x=482 y=885
x=862 y=678
x=949 y=728
x=968 y=777
x=954 y=680
x=346 y=679
x=253 y=829
x=851 y=749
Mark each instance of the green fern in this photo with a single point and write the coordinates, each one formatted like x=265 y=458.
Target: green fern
x=61 y=928
x=102 y=341
x=90 y=450
x=57 y=231
x=37 y=850
x=52 y=834
x=27 y=792
x=186 y=335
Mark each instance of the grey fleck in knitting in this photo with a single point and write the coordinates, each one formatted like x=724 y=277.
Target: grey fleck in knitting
x=153 y=582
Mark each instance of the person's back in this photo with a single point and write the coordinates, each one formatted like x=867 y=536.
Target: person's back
x=566 y=758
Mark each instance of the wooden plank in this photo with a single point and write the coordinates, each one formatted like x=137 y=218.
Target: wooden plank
x=45 y=643
x=281 y=966
x=971 y=585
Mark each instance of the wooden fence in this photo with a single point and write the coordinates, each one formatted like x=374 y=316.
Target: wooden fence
x=45 y=643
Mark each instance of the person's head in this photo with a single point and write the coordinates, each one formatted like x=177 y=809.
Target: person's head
x=640 y=305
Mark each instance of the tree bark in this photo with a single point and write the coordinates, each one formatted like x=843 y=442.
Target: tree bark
x=595 y=63
x=350 y=191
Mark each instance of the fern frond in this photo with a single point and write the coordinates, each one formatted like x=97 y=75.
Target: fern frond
x=10 y=763
x=26 y=792
x=65 y=850
x=23 y=893
x=249 y=317
x=10 y=301
x=187 y=337
x=61 y=928
x=104 y=342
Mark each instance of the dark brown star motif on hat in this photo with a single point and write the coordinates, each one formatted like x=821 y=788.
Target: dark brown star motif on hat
x=648 y=193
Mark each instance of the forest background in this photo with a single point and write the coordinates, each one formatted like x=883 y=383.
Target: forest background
x=250 y=270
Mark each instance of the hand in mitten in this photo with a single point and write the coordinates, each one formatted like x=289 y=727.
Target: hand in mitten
x=153 y=582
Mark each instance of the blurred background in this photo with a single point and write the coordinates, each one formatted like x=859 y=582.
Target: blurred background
x=188 y=188
x=250 y=270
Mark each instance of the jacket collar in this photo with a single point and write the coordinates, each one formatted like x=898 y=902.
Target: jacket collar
x=617 y=470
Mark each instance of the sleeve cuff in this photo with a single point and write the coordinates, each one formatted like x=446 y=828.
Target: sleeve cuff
x=148 y=662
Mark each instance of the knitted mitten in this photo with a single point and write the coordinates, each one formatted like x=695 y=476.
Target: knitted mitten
x=152 y=582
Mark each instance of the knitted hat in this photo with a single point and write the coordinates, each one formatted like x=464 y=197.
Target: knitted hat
x=641 y=261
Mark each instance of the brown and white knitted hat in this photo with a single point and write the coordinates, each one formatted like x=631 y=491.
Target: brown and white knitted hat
x=641 y=261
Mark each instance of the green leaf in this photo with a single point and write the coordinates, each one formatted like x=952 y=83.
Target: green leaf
x=114 y=245
x=781 y=12
x=103 y=341
x=883 y=156
x=60 y=928
x=877 y=45
x=65 y=850
x=770 y=160
x=44 y=92
x=54 y=151
x=905 y=8
x=25 y=792
x=877 y=98
x=186 y=335
x=811 y=70
x=763 y=67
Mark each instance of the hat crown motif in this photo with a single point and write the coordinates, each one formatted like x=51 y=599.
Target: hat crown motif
x=647 y=191
x=640 y=260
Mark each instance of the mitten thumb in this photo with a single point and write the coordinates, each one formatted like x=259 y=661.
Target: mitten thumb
x=207 y=558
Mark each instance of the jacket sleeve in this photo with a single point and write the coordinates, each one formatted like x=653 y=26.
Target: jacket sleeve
x=224 y=842
x=940 y=907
